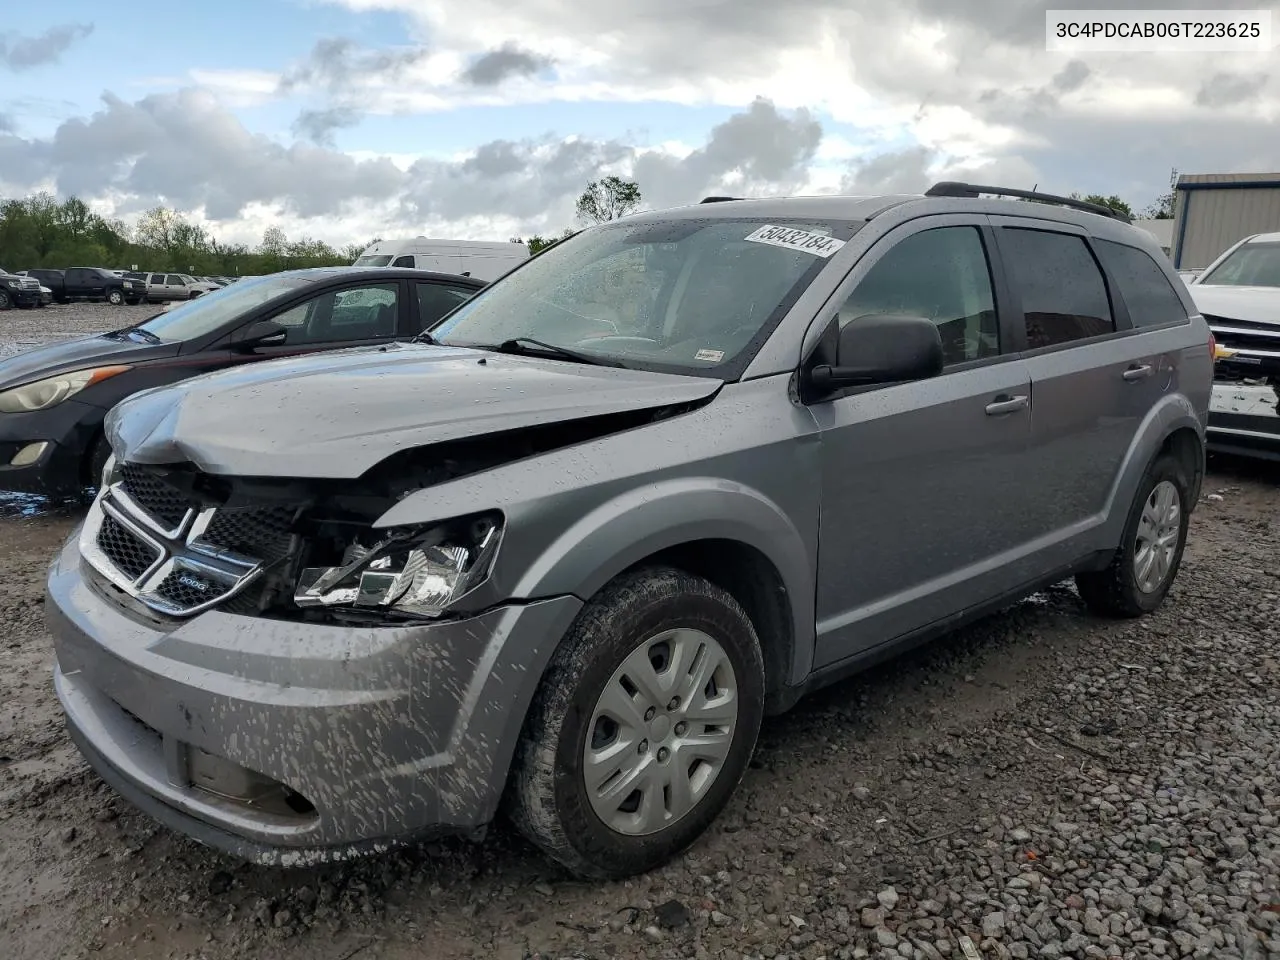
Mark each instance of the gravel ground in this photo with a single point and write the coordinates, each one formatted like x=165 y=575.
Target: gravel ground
x=24 y=329
x=1043 y=784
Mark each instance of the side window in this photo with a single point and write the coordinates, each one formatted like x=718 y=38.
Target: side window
x=1147 y=292
x=355 y=313
x=1064 y=296
x=437 y=299
x=405 y=261
x=173 y=280
x=158 y=279
x=941 y=274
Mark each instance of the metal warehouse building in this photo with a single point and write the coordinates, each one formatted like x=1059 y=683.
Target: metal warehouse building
x=1214 y=210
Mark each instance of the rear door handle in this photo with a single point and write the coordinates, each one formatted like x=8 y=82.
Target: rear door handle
x=1138 y=372
x=1006 y=404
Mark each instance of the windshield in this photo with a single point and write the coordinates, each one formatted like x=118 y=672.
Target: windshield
x=1252 y=265
x=372 y=262
x=686 y=296
x=205 y=314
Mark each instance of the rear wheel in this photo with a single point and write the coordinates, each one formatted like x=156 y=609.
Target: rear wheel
x=643 y=726
x=1146 y=563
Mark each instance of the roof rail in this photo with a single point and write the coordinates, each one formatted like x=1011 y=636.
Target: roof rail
x=951 y=188
x=718 y=199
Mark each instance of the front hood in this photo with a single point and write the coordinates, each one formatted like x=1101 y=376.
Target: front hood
x=1251 y=304
x=334 y=415
x=65 y=356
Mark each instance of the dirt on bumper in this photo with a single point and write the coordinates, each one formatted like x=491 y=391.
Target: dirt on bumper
x=291 y=743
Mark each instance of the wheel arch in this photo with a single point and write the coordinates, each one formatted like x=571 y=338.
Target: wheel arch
x=1171 y=426
x=728 y=533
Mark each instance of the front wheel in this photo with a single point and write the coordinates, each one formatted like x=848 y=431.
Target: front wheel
x=1150 y=553
x=6 y=302
x=115 y=298
x=643 y=726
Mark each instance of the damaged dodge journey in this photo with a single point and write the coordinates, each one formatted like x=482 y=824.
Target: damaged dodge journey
x=557 y=557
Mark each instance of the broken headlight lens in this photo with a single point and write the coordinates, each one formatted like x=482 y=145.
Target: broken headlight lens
x=416 y=572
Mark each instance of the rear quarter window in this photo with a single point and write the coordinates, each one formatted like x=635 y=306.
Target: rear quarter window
x=1064 y=296
x=1145 y=287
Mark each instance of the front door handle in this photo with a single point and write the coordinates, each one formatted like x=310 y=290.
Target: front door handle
x=1006 y=404
x=1139 y=371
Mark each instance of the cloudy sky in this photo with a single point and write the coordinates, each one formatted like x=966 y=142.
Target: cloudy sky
x=345 y=119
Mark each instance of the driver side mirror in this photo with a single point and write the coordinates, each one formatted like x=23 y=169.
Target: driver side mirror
x=263 y=333
x=882 y=348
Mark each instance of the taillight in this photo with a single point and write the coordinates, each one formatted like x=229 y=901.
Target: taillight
x=1213 y=346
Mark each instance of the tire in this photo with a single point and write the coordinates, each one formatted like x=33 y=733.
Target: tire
x=549 y=799
x=95 y=460
x=6 y=302
x=115 y=297
x=1120 y=590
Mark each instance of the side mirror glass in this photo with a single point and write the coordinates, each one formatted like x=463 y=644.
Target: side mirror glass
x=882 y=348
x=263 y=333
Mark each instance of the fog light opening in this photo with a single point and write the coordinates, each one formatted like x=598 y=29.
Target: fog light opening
x=29 y=454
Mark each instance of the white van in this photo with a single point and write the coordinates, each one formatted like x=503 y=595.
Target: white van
x=481 y=259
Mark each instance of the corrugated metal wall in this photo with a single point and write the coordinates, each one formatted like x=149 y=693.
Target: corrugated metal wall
x=1215 y=210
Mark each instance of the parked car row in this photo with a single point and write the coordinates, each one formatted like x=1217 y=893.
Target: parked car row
x=41 y=286
x=556 y=552
x=86 y=283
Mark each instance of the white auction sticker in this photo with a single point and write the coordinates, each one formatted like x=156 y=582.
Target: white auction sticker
x=803 y=240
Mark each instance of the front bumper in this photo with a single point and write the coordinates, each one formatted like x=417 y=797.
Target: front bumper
x=66 y=430
x=23 y=297
x=293 y=743
x=1244 y=419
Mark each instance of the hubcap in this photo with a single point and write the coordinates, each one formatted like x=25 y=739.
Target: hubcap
x=660 y=732
x=1159 y=530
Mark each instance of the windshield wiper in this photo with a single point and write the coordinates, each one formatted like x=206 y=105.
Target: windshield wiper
x=425 y=337
x=527 y=346
x=146 y=335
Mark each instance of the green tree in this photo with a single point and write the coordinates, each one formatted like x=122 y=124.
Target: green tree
x=155 y=228
x=1114 y=202
x=41 y=231
x=608 y=199
x=1163 y=208
x=537 y=243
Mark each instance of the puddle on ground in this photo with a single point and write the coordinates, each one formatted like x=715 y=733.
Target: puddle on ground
x=31 y=505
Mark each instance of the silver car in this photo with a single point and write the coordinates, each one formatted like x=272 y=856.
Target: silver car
x=560 y=556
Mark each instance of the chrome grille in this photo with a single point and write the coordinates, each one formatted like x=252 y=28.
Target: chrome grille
x=177 y=557
x=261 y=532
x=150 y=492
x=1256 y=346
x=133 y=555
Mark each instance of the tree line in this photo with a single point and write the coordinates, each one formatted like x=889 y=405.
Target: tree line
x=41 y=231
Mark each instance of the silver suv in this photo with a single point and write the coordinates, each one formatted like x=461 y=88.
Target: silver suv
x=563 y=553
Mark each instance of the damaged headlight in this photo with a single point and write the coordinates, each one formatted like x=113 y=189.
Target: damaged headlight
x=416 y=572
